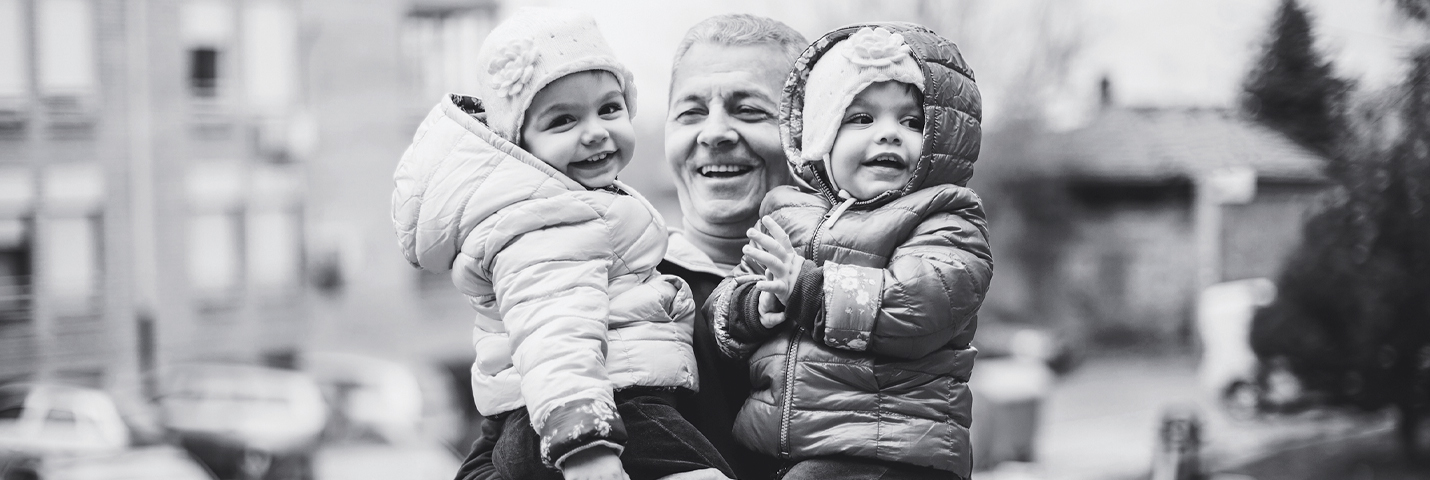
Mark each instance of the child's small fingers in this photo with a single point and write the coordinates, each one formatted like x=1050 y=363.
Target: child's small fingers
x=767 y=259
x=776 y=231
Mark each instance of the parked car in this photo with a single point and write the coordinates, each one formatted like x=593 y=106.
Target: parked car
x=50 y=418
x=386 y=421
x=243 y=421
x=62 y=432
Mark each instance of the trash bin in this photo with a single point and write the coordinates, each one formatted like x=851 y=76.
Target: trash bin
x=1008 y=393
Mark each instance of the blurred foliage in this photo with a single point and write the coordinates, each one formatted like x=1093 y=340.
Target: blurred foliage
x=1292 y=89
x=1352 y=318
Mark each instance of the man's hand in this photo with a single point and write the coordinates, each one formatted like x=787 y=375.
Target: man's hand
x=777 y=254
x=595 y=463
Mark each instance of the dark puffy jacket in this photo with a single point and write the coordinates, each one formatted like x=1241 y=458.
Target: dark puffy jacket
x=875 y=358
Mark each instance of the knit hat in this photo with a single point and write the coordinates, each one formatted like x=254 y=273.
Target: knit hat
x=869 y=56
x=533 y=48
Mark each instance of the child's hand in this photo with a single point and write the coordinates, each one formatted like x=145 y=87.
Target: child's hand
x=596 y=463
x=771 y=312
x=775 y=252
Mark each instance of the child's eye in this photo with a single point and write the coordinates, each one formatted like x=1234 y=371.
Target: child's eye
x=610 y=108
x=859 y=119
x=560 y=121
x=916 y=123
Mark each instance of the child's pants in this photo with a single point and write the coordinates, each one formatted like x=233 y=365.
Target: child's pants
x=661 y=442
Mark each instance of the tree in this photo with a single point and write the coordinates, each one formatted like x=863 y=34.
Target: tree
x=1353 y=319
x=1292 y=89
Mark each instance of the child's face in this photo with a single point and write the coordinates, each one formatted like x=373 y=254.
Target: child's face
x=579 y=125
x=879 y=139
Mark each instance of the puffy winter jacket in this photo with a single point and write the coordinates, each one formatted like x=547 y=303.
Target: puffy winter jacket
x=569 y=304
x=874 y=358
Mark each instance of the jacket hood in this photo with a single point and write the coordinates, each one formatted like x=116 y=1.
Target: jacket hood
x=953 y=111
x=456 y=173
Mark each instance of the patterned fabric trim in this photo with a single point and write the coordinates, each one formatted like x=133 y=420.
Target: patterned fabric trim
x=576 y=424
x=852 y=298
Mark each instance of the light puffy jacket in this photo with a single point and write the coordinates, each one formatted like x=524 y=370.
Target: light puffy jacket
x=569 y=304
x=874 y=356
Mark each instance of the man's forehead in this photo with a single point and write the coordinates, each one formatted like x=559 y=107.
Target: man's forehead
x=750 y=68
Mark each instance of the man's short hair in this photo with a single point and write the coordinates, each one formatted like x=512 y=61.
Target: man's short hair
x=738 y=30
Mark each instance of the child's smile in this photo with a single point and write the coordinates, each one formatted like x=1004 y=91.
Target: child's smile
x=879 y=139
x=580 y=126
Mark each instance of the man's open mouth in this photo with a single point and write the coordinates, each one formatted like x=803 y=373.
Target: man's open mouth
x=594 y=161
x=724 y=171
x=886 y=160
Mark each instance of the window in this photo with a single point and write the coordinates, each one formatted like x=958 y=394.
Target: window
x=203 y=72
x=215 y=256
x=441 y=48
x=206 y=27
x=15 y=260
x=274 y=251
x=270 y=55
x=65 y=36
x=71 y=262
x=14 y=66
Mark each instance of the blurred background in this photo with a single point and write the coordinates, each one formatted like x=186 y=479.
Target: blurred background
x=198 y=273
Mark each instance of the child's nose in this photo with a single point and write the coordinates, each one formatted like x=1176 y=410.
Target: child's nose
x=594 y=134
x=888 y=133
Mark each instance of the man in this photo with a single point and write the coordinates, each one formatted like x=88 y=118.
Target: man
x=723 y=145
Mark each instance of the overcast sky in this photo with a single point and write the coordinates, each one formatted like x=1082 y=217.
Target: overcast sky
x=1156 y=52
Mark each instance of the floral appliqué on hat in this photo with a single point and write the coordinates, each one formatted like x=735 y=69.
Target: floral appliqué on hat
x=512 y=67
x=876 y=47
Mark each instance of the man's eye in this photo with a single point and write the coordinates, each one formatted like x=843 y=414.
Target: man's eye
x=751 y=114
x=610 y=108
x=916 y=123
x=859 y=119
x=692 y=115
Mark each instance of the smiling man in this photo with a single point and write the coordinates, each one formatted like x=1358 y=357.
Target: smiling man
x=721 y=136
x=723 y=143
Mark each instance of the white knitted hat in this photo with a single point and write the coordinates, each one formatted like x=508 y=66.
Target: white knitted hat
x=869 y=56
x=533 y=48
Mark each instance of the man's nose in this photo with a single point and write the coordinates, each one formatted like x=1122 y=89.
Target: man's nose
x=716 y=129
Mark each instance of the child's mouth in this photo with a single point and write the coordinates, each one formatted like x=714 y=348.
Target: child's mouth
x=594 y=161
x=724 y=171
x=886 y=160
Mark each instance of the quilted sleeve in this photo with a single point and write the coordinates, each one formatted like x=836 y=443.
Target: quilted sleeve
x=928 y=295
x=549 y=262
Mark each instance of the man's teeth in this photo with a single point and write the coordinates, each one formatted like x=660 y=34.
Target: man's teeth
x=709 y=169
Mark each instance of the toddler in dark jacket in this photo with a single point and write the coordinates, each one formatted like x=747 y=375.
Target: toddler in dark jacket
x=858 y=296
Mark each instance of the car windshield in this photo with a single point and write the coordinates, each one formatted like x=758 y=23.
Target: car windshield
x=12 y=402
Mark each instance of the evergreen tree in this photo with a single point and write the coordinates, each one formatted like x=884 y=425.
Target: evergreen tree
x=1292 y=89
x=1353 y=319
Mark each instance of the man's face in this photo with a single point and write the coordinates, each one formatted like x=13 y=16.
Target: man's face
x=721 y=134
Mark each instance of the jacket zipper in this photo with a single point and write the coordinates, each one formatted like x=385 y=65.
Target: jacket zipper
x=792 y=351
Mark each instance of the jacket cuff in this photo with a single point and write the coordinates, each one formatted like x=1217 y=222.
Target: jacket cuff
x=721 y=309
x=806 y=298
x=578 y=424
x=852 y=296
x=745 y=324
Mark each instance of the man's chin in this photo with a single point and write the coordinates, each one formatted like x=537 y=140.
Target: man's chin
x=727 y=211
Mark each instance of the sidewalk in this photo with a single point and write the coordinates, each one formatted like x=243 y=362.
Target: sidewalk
x=1101 y=422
